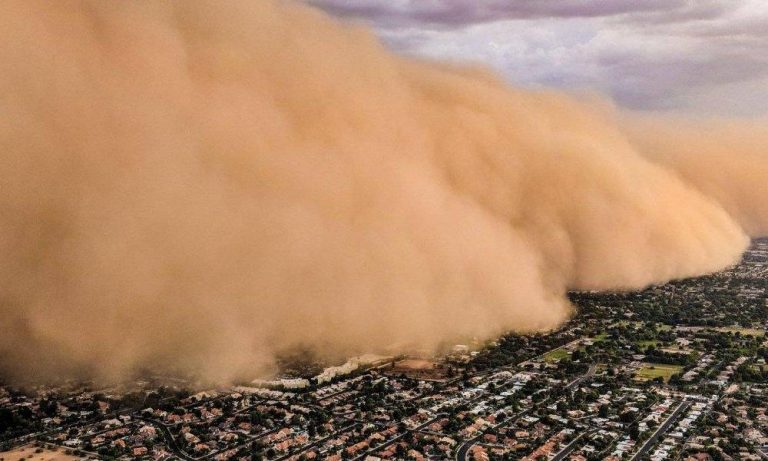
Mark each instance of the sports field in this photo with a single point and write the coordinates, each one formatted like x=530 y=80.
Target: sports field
x=654 y=370
x=555 y=355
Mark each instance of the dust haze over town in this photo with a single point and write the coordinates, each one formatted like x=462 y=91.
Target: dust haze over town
x=195 y=187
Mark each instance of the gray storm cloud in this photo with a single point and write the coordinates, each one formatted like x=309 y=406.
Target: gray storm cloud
x=198 y=186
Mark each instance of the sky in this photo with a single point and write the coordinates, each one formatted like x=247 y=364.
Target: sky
x=706 y=57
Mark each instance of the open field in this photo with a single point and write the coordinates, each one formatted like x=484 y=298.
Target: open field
x=29 y=453
x=555 y=355
x=676 y=350
x=600 y=338
x=416 y=364
x=743 y=331
x=418 y=369
x=655 y=370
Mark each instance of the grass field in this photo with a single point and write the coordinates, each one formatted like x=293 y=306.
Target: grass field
x=555 y=355
x=654 y=370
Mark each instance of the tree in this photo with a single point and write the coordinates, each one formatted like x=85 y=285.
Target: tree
x=627 y=417
x=7 y=419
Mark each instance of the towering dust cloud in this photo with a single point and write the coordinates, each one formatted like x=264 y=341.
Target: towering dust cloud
x=198 y=186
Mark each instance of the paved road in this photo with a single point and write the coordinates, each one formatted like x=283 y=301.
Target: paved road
x=567 y=449
x=27 y=438
x=389 y=442
x=461 y=452
x=590 y=373
x=316 y=442
x=170 y=440
x=661 y=430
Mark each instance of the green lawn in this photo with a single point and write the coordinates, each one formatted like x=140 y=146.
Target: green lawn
x=654 y=370
x=555 y=355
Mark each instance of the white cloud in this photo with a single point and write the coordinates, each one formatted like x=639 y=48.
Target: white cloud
x=671 y=55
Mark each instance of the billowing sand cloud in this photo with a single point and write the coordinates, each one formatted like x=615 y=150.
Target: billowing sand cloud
x=724 y=159
x=197 y=186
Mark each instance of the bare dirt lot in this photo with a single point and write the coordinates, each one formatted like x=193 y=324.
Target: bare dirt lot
x=418 y=369
x=29 y=453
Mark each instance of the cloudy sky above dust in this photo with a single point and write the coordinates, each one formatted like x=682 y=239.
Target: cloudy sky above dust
x=701 y=56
